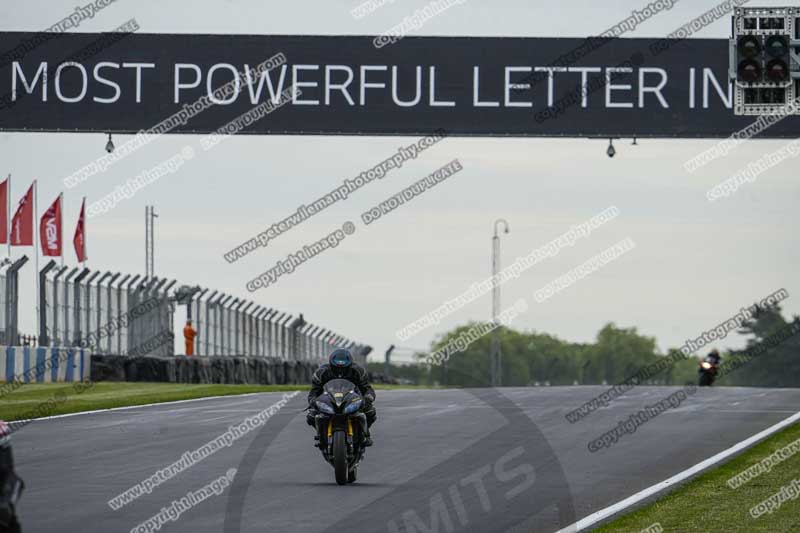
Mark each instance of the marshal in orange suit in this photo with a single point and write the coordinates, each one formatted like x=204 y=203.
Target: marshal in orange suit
x=189 y=333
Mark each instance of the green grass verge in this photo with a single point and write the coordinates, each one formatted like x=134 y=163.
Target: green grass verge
x=708 y=505
x=104 y=395
x=48 y=399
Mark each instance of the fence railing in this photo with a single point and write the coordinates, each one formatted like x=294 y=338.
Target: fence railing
x=125 y=314
x=9 y=300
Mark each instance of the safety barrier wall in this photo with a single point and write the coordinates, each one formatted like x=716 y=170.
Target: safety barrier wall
x=44 y=364
x=203 y=369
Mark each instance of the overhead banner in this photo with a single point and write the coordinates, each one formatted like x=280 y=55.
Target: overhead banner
x=262 y=84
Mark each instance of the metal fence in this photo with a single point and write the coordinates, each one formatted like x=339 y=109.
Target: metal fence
x=227 y=325
x=123 y=314
x=9 y=300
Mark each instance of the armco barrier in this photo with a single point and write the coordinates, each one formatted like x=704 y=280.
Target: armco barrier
x=43 y=364
x=205 y=369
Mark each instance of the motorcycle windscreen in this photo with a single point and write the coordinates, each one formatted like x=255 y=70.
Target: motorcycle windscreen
x=339 y=386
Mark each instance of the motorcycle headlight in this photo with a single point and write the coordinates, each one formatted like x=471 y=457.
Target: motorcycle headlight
x=352 y=407
x=706 y=365
x=325 y=407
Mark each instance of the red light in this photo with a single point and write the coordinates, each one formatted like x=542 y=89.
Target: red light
x=777 y=71
x=749 y=71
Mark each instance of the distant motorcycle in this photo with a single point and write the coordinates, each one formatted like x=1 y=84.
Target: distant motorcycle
x=341 y=427
x=10 y=485
x=708 y=372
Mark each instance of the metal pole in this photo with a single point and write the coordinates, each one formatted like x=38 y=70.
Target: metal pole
x=56 y=338
x=243 y=319
x=99 y=309
x=88 y=301
x=285 y=348
x=36 y=245
x=200 y=323
x=271 y=333
x=208 y=308
x=119 y=311
x=12 y=301
x=149 y=241
x=44 y=337
x=153 y=217
x=61 y=226
x=67 y=329
x=76 y=307
x=130 y=297
x=8 y=214
x=109 y=309
x=85 y=232
x=496 y=357
x=387 y=364
x=222 y=323
x=167 y=314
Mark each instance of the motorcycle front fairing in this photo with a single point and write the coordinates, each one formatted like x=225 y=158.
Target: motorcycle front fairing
x=339 y=402
x=707 y=365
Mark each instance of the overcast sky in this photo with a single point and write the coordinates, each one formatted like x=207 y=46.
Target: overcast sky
x=695 y=264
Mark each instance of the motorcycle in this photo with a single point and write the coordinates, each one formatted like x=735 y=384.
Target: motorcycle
x=341 y=427
x=708 y=372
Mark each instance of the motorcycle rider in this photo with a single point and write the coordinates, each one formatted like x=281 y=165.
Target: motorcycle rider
x=713 y=357
x=709 y=367
x=341 y=366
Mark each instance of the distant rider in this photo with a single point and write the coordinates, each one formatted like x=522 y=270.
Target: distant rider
x=713 y=357
x=709 y=368
x=341 y=366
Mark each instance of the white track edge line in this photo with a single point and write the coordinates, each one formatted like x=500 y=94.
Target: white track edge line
x=602 y=514
x=145 y=405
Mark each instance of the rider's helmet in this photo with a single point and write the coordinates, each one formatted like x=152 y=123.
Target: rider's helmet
x=340 y=360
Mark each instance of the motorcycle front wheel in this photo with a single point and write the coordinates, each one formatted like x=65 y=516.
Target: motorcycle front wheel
x=340 y=457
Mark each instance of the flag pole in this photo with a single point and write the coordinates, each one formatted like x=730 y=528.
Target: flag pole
x=36 y=247
x=61 y=226
x=8 y=215
x=85 y=245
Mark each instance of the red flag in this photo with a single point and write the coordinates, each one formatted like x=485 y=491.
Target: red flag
x=80 y=235
x=50 y=230
x=22 y=223
x=4 y=212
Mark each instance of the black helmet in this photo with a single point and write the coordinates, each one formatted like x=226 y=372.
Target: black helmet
x=340 y=360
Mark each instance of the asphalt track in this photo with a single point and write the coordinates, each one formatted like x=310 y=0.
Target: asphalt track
x=444 y=460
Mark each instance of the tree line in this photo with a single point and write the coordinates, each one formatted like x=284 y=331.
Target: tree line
x=531 y=358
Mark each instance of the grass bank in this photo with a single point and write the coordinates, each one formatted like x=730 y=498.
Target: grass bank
x=708 y=504
x=48 y=399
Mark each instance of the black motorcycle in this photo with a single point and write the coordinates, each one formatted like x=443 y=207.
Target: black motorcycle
x=708 y=372
x=341 y=427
